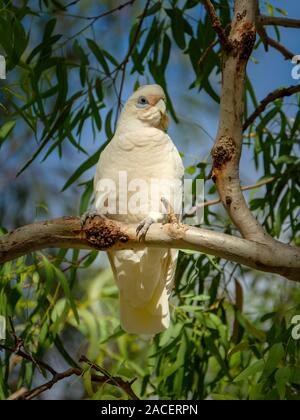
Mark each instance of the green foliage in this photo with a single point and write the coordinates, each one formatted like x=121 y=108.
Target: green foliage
x=218 y=347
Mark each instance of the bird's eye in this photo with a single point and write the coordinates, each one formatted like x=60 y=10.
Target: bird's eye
x=142 y=102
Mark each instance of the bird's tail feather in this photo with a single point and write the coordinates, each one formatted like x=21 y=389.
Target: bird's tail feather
x=145 y=279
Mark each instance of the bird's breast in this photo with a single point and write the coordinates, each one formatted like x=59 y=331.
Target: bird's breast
x=145 y=164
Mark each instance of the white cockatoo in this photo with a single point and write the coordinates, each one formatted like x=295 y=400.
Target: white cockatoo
x=142 y=155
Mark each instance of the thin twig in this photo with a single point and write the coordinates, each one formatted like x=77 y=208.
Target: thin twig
x=93 y=19
x=126 y=386
x=111 y=11
x=48 y=385
x=288 y=55
x=24 y=355
x=209 y=49
x=58 y=376
x=260 y=21
x=206 y=52
x=77 y=264
x=107 y=13
x=271 y=97
x=261 y=29
x=18 y=395
x=72 y=3
x=218 y=200
x=217 y=25
x=279 y=21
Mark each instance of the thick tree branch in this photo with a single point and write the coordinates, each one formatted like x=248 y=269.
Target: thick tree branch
x=279 y=21
x=228 y=146
x=103 y=234
x=271 y=97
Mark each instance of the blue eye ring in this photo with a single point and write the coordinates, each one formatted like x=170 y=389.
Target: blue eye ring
x=142 y=102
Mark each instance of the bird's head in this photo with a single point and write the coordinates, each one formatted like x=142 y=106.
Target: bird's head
x=148 y=105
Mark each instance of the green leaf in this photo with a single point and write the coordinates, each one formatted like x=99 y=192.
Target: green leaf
x=281 y=11
x=255 y=332
x=190 y=308
x=91 y=161
x=95 y=110
x=86 y=197
x=44 y=46
x=282 y=377
x=250 y=371
x=154 y=9
x=166 y=52
x=201 y=298
x=224 y=397
x=108 y=124
x=295 y=375
x=65 y=286
x=99 y=55
x=238 y=348
x=13 y=40
x=276 y=354
x=60 y=347
x=6 y=129
x=118 y=333
x=177 y=26
x=152 y=34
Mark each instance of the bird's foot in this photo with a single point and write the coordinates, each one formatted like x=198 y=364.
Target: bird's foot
x=143 y=227
x=171 y=214
x=89 y=214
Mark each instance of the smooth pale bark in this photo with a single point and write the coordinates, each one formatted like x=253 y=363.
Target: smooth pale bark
x=102 y=234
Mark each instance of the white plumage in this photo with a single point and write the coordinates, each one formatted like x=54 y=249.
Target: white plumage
x=142 y=150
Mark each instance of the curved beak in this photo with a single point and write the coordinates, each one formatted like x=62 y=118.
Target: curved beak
x=161 y=106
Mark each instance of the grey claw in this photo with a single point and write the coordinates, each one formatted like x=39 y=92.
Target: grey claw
x=143 y=227
x=89 y=214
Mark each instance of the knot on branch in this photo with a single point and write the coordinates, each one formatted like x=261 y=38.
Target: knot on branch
x=103 y=233
x=223 y=151
x=244 y=43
